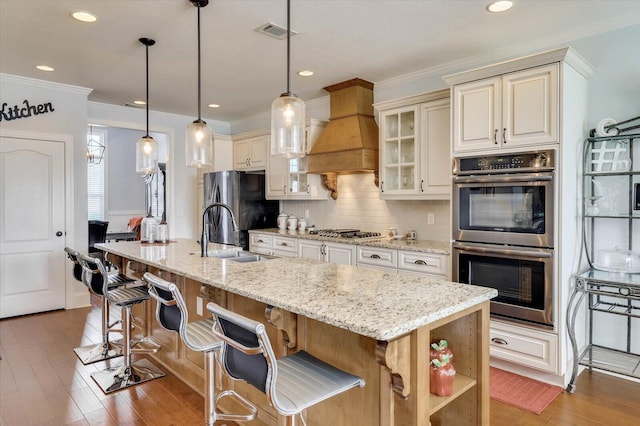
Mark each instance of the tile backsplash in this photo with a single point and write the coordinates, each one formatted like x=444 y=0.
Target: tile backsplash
x=358 y=206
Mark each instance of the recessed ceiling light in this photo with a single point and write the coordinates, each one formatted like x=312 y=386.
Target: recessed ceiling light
x=213 y=106
x=44 y=68
x=139 y=102
x=499 y=6
x=84 y=16
x=305 y=73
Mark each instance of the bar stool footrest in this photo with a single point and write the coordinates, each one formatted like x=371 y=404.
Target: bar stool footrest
x=99 y=352
x=144 y=345
x=229 y=395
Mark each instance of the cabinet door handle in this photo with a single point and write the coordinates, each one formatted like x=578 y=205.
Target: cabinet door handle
x=247 y=162
x=421 y=188
x=307 y=189
x=374 y=256
x=499 y=341
x=504 y=135
x=322 y=249
x=420 y=262
x=284 y=189
x=382 y=186
x=495 y=136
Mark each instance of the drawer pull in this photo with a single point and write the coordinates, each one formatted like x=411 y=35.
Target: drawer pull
x=374 y=256
x=259 y=241
x=284 y=244
x=499 y=341
x=420 y=262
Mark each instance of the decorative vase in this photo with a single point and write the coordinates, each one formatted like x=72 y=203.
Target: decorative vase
x=440 y=350
x=441 y=379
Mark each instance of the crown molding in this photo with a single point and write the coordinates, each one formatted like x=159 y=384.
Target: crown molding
x=43 y=84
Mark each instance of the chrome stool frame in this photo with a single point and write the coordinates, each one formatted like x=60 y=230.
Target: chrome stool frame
x=106 y=349
x=172 y=315
x=129 y=373
x=292 y=383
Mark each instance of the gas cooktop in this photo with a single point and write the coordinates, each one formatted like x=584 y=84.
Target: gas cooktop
x=345 y=233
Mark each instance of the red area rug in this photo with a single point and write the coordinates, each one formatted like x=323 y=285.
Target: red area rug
x=522 y=392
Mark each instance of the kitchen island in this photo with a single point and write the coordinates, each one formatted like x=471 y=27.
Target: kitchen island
x=374 y=324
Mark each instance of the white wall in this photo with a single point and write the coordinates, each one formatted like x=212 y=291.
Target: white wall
x=69 y=119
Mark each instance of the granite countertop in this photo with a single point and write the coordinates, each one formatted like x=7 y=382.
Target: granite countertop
x=369 y=302
x=425 y=246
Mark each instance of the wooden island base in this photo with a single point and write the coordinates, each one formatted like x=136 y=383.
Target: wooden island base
x=396 y=372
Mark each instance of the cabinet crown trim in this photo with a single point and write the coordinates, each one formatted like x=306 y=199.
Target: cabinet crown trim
x=267 y=131
x=566 y=54
x=412 y=100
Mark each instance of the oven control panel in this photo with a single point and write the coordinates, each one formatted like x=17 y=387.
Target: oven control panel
x=511 y=163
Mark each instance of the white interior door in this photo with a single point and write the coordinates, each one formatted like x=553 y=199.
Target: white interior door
x=32 y=218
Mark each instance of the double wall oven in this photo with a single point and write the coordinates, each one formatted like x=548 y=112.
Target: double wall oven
x=503 y=231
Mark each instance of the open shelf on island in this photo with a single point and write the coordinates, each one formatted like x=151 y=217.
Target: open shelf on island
x=461 y=384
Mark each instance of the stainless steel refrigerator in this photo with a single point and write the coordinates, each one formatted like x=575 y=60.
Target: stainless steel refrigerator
x=244 y=193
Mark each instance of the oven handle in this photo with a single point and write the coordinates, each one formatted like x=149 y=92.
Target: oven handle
x=502 y=251
x=526 y=177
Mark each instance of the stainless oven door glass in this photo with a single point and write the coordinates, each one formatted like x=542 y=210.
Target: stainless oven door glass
x=523 y=278
x=511 y=211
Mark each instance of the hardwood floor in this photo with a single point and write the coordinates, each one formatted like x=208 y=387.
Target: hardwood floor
x=43 y=383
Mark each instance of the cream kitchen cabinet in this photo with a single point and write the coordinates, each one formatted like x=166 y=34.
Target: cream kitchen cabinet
x=414 y=147
x=344 y=254
x=260 y=243
x=273 y=244
x=250 y=151
x=507 y=111
x=434 y=265
x=287 y=179
x=525 y=346
x=377 y=258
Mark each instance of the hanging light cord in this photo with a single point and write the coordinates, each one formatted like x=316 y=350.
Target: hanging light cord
x=199 y=95
x=147 y=98
x=289 y=47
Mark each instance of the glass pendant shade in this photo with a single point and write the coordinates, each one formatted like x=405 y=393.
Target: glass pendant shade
x=199 y=145
x=287 y=126
x=146 y=156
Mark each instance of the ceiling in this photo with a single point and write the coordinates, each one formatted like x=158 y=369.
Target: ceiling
x=243 y=70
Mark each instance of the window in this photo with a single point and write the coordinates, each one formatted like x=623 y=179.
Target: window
x=96 y=180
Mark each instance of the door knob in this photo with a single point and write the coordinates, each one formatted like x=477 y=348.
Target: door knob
x=59 y=234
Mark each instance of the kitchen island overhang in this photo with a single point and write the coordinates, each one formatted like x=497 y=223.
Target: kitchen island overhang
x=396 y=314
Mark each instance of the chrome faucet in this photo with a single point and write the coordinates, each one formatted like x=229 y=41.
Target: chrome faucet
x=204 y=238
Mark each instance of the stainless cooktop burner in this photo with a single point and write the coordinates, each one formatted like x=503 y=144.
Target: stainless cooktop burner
x=345 y=233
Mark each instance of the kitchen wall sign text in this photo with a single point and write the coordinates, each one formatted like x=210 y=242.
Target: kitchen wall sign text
x=25 y=110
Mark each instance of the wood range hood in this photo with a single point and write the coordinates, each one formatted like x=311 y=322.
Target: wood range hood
x=349 y=142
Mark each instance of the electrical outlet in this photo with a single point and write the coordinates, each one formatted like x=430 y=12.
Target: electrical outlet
x=431 y=219
x=199 y=306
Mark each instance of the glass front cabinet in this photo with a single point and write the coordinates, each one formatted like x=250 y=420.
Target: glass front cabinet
x=399 y=133
x=288 y=178
x=414 y=147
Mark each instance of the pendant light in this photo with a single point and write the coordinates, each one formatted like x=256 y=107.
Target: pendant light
x=146 y=147
x=199 y=138
x=95 y=150
x=288 y=114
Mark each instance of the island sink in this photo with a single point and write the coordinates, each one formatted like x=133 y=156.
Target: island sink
x=237 y=256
